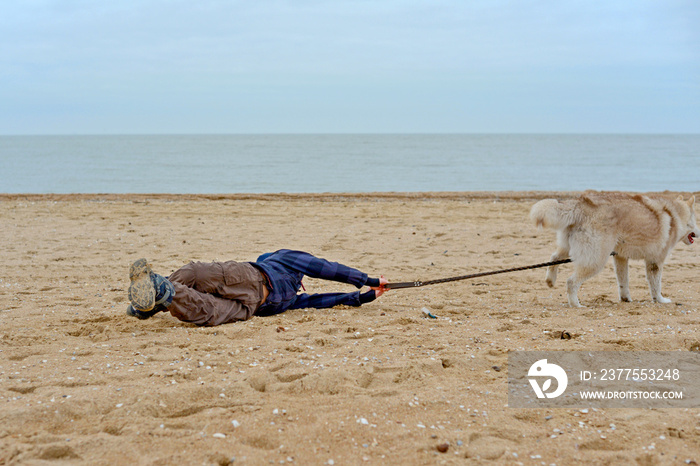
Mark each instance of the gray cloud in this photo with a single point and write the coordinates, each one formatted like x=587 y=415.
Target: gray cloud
x=314 y=66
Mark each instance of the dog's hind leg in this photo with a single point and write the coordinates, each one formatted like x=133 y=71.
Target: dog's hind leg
x=552 y=270
x=589 y=253
x=581 y=274
x=561 y=253
x=654 y=279
x=585 y=267
x=622 y=272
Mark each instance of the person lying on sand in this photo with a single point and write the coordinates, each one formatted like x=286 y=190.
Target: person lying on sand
x=217 y=293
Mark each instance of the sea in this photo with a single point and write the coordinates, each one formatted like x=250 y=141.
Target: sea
x=348 y=163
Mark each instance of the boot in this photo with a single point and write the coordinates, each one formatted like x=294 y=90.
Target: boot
x=149 y=292
x=130 y=311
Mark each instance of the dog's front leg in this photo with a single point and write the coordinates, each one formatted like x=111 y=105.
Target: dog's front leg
x=622 y=272
x=654 y=279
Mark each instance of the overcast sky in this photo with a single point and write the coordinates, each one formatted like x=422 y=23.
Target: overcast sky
x=342 y=66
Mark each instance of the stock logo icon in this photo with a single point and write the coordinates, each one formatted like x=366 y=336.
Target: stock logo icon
x=542 y=369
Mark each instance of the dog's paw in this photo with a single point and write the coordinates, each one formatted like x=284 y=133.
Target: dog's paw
x=550 y=277
x=662 y=300
x=625 y=299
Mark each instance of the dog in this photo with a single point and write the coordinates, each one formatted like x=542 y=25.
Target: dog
x=598 y=224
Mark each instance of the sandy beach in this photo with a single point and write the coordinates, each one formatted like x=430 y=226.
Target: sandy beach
x=82 y=383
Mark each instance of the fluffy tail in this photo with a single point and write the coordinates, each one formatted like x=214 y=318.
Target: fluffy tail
x=550 y=213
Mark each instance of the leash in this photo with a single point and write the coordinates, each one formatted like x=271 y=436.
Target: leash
x=399 y=285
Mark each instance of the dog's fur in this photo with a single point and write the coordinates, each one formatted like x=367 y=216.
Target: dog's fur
x=596 y=225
